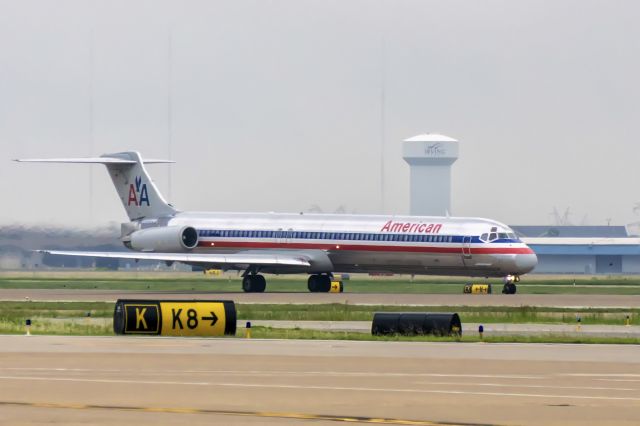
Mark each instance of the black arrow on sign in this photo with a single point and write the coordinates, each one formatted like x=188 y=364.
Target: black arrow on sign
x=213 y=318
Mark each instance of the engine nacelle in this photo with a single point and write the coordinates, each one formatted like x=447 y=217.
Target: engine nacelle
x=164 y=239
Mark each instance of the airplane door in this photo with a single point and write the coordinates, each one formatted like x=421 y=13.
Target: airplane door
x=283 y=237
x=466 y=248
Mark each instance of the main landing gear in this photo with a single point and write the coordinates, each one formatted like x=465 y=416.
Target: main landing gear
x=319 y=283
x=254 y=283
x=510 y=284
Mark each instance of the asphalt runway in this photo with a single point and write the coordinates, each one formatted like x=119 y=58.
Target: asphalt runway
x=109 y=380
x=549 y=300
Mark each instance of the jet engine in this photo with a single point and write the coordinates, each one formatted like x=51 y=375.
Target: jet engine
x=164 y=239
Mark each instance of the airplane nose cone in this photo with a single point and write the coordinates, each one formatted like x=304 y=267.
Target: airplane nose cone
x=526 y=262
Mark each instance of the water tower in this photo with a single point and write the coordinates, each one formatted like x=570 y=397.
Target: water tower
x=430 y=157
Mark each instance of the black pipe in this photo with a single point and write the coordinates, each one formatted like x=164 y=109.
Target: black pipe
x=416 y=323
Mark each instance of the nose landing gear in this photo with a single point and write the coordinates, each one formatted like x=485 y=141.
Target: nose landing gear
x=509 y=284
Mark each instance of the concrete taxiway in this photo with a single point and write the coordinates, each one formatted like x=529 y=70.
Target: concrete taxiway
x=234 y=381
x=550 y=300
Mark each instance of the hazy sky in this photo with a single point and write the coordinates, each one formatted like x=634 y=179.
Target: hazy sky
x=276 y=105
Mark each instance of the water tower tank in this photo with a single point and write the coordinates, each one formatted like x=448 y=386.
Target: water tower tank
x=430 y=157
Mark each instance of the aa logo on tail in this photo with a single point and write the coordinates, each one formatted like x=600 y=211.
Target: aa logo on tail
x=138 y=193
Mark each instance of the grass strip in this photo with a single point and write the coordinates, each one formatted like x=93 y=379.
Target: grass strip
x=358 y=284
x=18 y=312
x=476 y=314
x=87 y=329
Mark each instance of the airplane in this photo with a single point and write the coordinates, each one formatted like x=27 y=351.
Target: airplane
x=292 y=243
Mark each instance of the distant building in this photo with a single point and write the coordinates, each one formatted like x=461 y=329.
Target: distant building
x=582 y=249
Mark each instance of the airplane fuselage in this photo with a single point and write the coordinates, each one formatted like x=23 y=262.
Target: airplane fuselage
x=363 y=243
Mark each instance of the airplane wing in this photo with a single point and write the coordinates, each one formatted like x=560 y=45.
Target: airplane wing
x=278 y=259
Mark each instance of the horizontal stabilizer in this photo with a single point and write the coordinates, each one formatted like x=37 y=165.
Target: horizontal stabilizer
x=139 y=195
x=191 y=258
x=90 y=160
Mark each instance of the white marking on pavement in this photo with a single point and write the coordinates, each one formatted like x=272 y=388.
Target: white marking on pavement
x=280 y=373
x=325 y=388
x=600 y=374
x=506 y=385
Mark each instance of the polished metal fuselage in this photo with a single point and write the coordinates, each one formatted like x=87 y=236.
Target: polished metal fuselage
x=359 y=243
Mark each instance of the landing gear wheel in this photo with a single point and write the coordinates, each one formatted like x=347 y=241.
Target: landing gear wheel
x=312 y=283
x=509 y=288
x=319 y=283
x=254 y=284
x=325 y=283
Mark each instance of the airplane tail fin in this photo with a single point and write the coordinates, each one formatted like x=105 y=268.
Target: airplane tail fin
x=139 y=195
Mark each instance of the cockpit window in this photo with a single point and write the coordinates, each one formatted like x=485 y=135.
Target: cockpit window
x=495 y=235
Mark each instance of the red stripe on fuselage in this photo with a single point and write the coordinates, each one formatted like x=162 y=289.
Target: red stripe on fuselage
x=359 y=247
